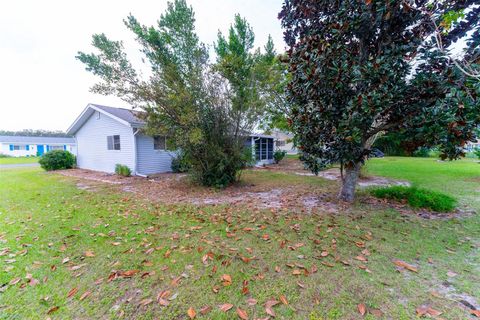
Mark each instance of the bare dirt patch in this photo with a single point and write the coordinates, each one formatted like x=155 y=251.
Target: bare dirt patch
x=172 y=188
x=364 y=182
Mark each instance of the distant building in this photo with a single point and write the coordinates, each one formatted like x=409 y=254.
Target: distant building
x=23 y=146
x=471 y=146
x=284 y=141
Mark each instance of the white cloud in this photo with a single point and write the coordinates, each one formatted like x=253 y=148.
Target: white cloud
x=43 y=86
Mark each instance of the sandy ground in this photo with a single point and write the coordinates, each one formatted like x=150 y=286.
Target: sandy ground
x=170 y=188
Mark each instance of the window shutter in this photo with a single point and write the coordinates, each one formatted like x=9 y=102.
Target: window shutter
x=64 y=147
x=27 y=147
x=48 y=148
x=11 y=147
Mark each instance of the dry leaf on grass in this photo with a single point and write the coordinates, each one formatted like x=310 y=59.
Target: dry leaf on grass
x=72 y=292
x=226 y=306
x=191 y=313
x=362 y=309
x=405 y=265
x=242 y=314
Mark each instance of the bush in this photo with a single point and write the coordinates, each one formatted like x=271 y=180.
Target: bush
x=57 y=160
x=477 y=152
x=122 y=170
x=278 y=155
x=180 y=163
x=2 y=155
x=418 y=198
x=421 y=153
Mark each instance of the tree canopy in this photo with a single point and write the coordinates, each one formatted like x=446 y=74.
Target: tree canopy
x=364 y=68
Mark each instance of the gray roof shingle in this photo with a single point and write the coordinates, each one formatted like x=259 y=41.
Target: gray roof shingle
x=131 y=116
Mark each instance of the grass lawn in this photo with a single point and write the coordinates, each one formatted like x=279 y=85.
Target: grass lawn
x=459 y=178
x=19 y=160
x=68 y=253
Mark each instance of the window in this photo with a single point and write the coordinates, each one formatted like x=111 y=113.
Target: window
x=55 y=147
x=17 y=147
x=160 y=143
x=281 y=143
x=113 y=142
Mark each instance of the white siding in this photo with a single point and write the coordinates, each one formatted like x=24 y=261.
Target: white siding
x=150 y=161
x=92 y=152
x=32 y=149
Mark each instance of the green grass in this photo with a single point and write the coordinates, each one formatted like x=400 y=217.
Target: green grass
x=19 y=160
x=418 y=198
x=460 y=179
x=46 y=219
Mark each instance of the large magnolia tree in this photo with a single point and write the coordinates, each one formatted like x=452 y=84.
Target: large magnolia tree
x=362 y=68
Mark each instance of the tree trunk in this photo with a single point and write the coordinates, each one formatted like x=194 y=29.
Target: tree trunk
x=352 y=172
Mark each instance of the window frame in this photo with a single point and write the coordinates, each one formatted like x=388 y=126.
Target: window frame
x=113 y=144
x=155 y=143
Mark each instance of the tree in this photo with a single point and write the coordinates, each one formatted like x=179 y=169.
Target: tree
x=364 y=68
x=206 y=111
x=34 y=133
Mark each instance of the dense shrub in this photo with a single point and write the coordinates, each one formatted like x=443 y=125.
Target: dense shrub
x=278 y=155
x=477 y=152
x=2 y=155
x=180 y=163
x=421 y=153
x=418 y=198
x=57 y=160
x=122 y=170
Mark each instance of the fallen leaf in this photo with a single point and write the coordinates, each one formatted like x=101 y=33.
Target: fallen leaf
x=89 y=254
x=362 y=309
x=146 y=302
x=227 y=280
x=242 y=314
x=476 y=313
x=226 y=306
x=72 y=292
x=251 y=301
x=284 y=299
x=405 y=265
x=191 y=313
x=129 y=273
x=85 y=295
x=205 y=310
x=53 y=309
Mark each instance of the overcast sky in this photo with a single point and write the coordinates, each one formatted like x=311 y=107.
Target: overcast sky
x=43 y=86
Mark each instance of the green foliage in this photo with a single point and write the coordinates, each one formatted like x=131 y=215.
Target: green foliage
x=123 y=170
x=421 y=152
x=371 y=68
x=207 y=110
x=418 y=198
x=477 y=152
x=180 y=163
x=2 y=155
x=57 y=160
x=278 y=155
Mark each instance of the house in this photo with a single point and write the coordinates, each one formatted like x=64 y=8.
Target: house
x=472 y=146
x=107 y=136
x=24 y=146
x=284 y=141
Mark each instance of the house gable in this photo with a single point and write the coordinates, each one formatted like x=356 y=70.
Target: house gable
x=92 y=143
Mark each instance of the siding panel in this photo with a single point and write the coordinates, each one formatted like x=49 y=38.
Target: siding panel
x=150 y=161
x=92 y=144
